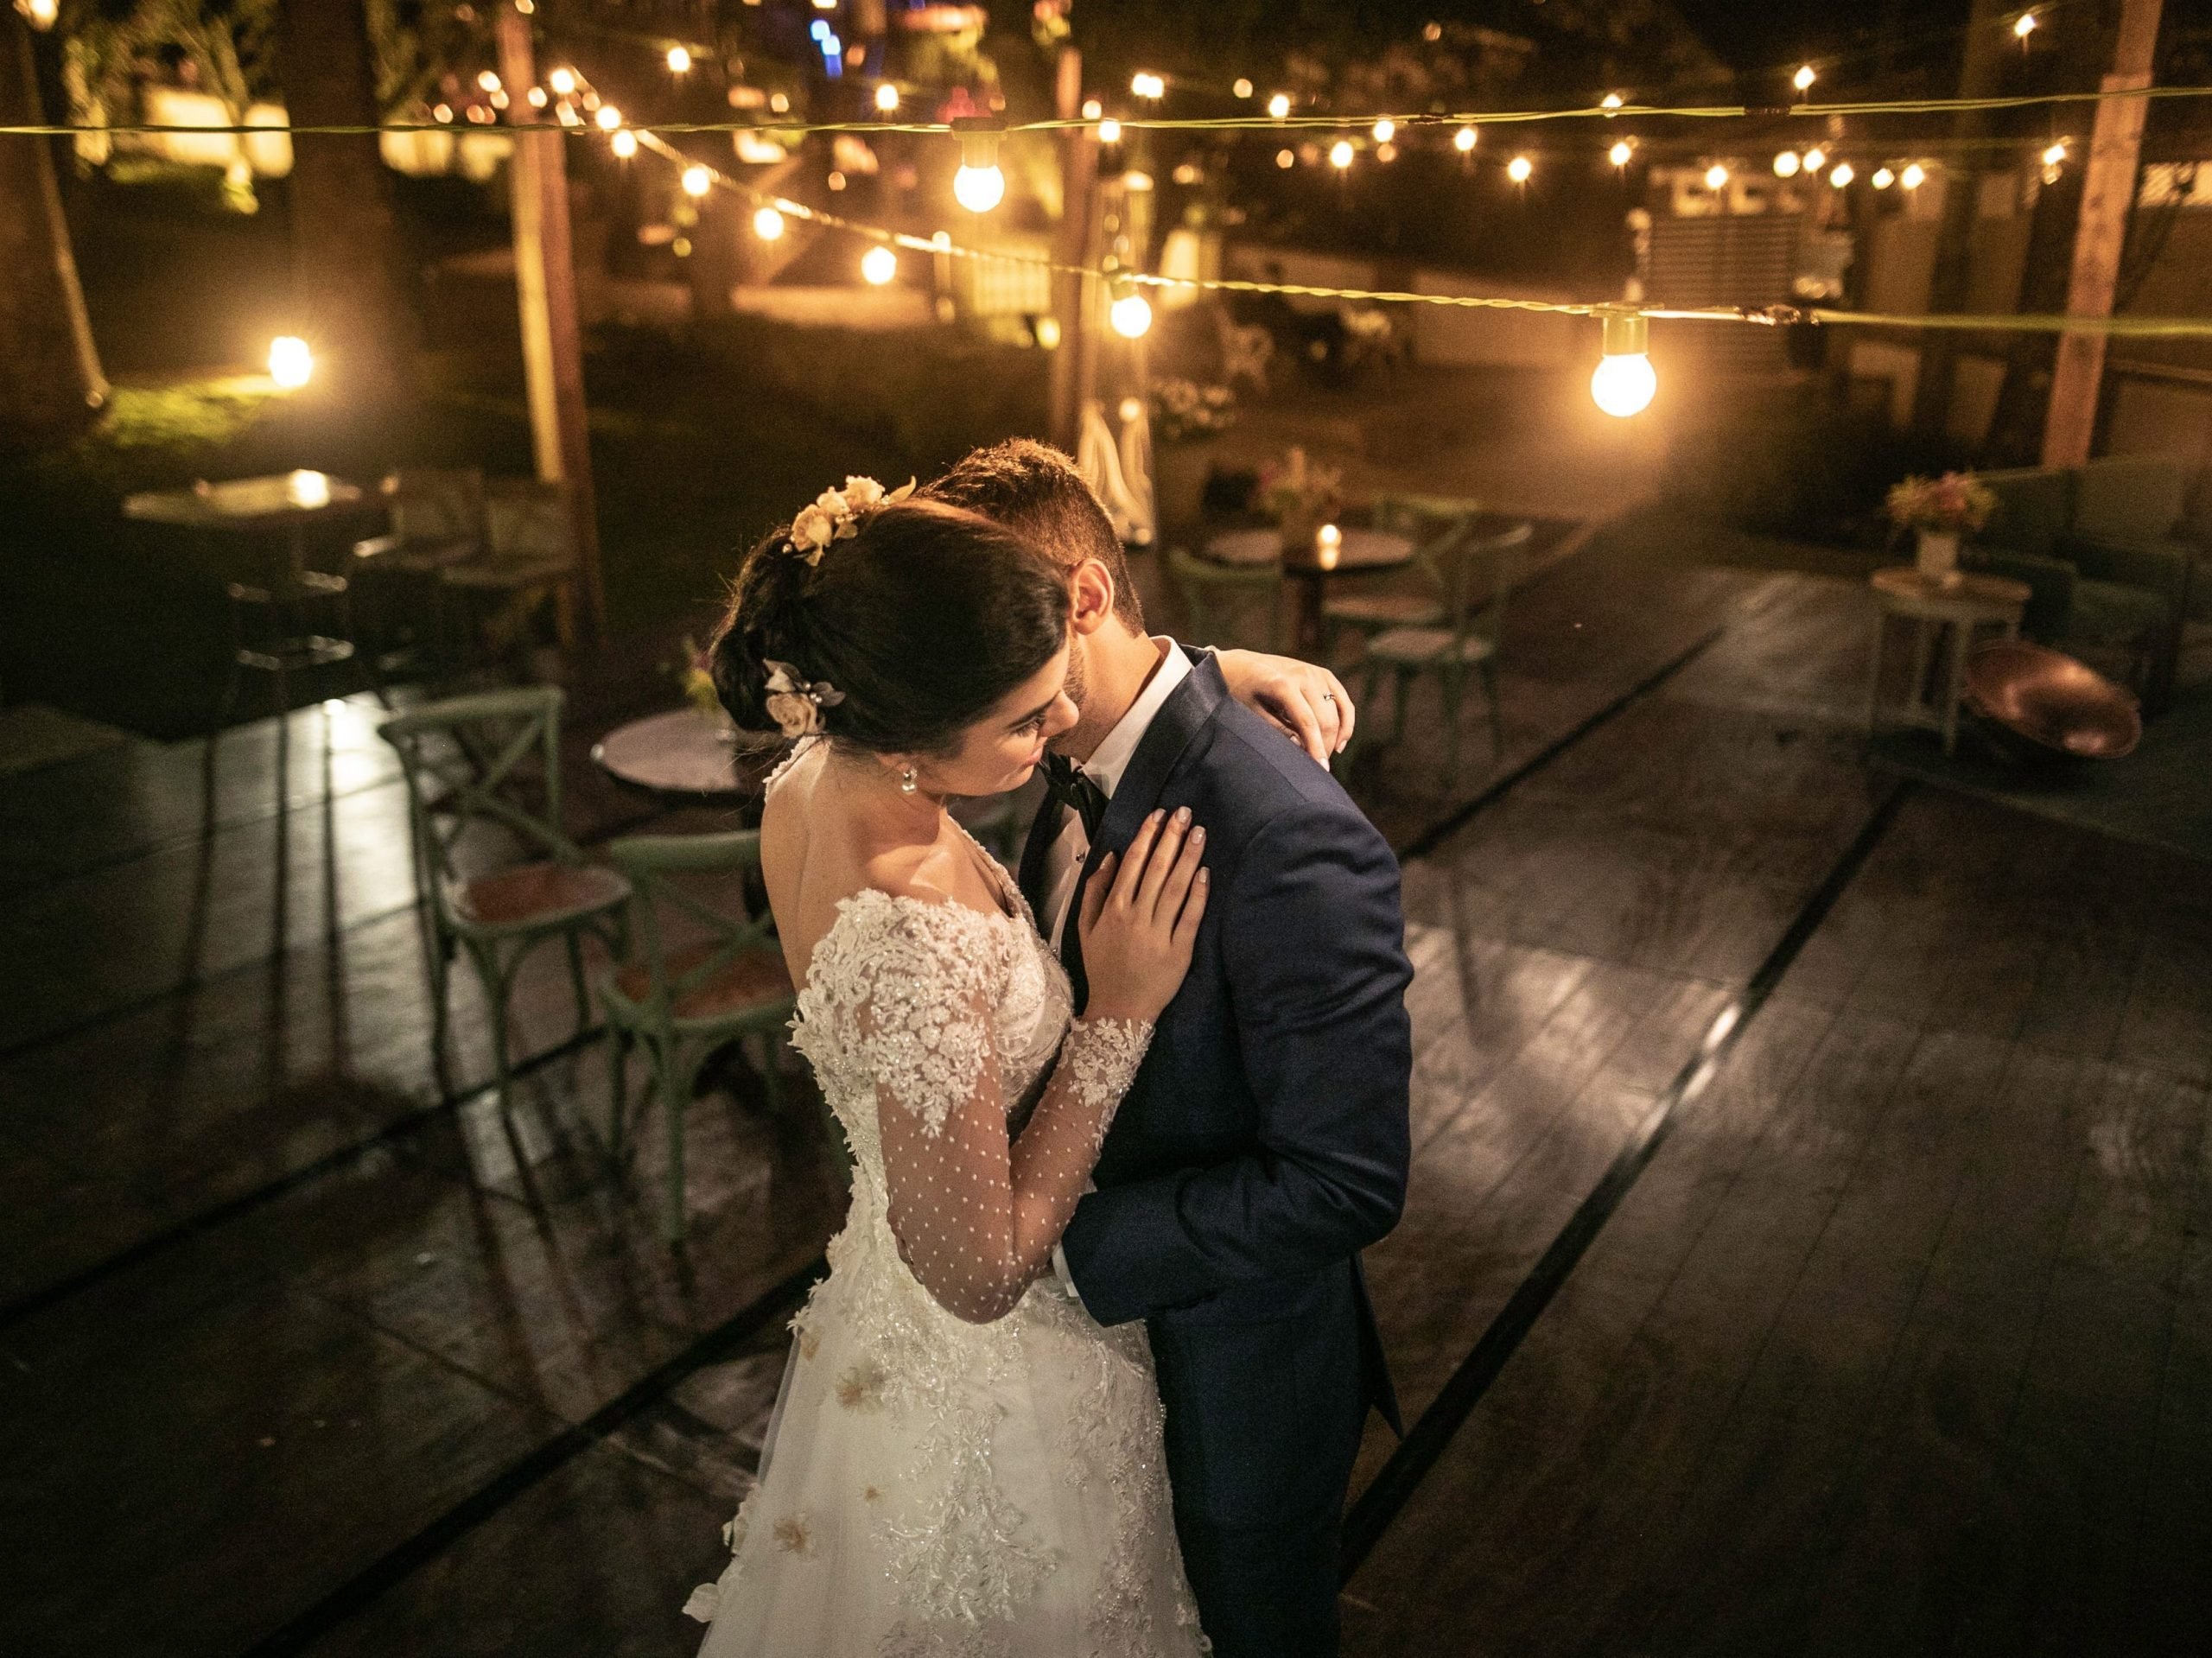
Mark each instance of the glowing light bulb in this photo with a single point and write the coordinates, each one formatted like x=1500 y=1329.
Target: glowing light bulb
x=41 y=14
x=1130 y=313
x=1146 y=84
x=608 y=118
x=1110 y=132
x=979 y=190
x=624 y=145
x=2024 y=25
x=1816 y=159
x=768 y=225
x=697 y=180
x=679 y=60
x=1242 y=87
x=563 y=81
x=291 y=363
x=1340 y=154
x=1716 y=177
x=1463 y=140
x=1619 y=153
x=1286 y=159
x=1092 y=109
x=1328 y=546
x=1842 y=175
x=2055 y=154
x=1802 y=81
x=488 y=81
x=1882 y=178
x=1131 y=412
x=1047 y=332
x=1519 y=169
x=1623 y=383
x=1914 y=177
x=1611 y=101
x=1385 y=131
x=536 y=96
x=1786 y=164
x=887 y=98
x=1279 y=106
x=878 y=266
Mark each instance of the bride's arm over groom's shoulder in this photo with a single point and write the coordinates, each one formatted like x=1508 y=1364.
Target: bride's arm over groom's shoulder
x=1312 y=952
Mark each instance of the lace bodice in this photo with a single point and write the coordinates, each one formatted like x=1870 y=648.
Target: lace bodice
x=930 y=1024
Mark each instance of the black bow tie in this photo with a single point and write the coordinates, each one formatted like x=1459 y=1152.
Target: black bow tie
x=1069 y=785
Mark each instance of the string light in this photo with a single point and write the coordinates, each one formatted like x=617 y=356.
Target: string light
x=1619 y=153
x=768 y=225
x=1816 y=159
x=1914 y=175
x=1242 y=87
x=536 y=97
x=41 y=14
x=1802 y=81
x=878 y=266
x=697 y=180
x=1882 y=178
x=1519 y=169
x=291 y=362
x=1611 y=101
x=2023 y=26
x=887 y=98
x=979 y=186
x=488 y=81
x=1146 y=84
x=1384 y=131
x=679 y=60
x=1109 y=132
x=1623 y=383
x=1386 y=153
x=1279 y=106
x=1286 y=159
x=1716 y=177
x=609 y=117
x=624 y=145
x=563 y=81
x=1131 y=313
x=1092 y=109
x=1463 y=140
x=1046 y=329
x=1842 y=175
x=2055 y=154
x=1786 y=164
x=1340 y=154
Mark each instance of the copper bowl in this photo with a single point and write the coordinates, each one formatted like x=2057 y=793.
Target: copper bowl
x=2055 y=705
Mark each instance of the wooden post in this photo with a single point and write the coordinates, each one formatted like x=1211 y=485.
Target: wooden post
x=545 y=289
x=1987 y=40
x=2108 y=193
x=1071 y=302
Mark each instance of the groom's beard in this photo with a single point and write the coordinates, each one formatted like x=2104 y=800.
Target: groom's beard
x=1077 y=684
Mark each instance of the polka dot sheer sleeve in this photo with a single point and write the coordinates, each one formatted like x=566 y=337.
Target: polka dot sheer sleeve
x=976 y=1211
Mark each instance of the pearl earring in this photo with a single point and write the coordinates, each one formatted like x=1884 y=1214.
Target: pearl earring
x=907 y=781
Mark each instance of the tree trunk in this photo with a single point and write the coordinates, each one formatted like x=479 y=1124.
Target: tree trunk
x=50 y=380
x=347 y=269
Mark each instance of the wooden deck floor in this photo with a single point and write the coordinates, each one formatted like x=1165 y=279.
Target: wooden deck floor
x=1807 y=1248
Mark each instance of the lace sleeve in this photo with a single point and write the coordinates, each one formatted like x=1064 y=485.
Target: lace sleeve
x=976 y=1215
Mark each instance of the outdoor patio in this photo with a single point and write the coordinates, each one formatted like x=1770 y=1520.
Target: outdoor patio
x=1806 y=1252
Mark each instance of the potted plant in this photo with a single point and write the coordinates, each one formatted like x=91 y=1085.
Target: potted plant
x=694 y=671
x=1186 y=419
x=1939 y=511
x=1300 y=495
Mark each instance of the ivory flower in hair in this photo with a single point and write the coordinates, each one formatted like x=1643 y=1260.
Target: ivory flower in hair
x=795 y=705
x=834 y=515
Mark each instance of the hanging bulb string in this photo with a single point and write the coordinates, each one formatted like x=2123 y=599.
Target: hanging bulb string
x=1315 y=121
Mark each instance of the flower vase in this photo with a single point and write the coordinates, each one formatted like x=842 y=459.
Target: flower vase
x=1938 y=556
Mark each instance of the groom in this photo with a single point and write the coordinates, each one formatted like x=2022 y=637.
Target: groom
x=1265 y=1142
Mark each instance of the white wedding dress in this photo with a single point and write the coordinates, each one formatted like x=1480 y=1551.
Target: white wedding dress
x=933 y=1485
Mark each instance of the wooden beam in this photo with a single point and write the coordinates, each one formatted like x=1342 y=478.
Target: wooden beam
x=1072 y=246
x=552 y=344
x=2107 y=196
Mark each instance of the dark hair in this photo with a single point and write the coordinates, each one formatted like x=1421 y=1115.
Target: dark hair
x=924 y=619
x=1035 y=490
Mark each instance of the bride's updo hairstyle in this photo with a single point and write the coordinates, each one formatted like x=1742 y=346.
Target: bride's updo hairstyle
x=896 y=637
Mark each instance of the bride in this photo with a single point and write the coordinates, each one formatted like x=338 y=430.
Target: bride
x=961 y=1461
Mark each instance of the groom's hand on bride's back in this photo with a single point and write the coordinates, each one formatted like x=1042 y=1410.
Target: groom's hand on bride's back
x=1141 y=914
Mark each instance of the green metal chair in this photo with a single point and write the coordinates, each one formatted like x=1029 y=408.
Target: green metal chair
x=1434 y=523
x=1215 y=595
x=478 y=761
x=681 y=1003
x=1467 y=643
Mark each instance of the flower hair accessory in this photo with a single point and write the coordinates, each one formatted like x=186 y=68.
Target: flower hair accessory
x=794 y=705
x=835 y=514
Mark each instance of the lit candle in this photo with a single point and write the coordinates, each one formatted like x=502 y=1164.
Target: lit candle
x=1328 y=546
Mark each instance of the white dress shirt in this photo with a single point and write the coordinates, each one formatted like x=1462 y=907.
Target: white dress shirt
x=1064 y=859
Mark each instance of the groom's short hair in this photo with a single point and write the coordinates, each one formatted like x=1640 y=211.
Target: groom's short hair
x=1035 y=490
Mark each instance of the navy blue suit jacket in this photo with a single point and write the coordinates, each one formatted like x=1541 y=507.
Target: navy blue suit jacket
x=1265 y=1140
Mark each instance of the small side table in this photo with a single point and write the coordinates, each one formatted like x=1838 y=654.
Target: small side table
x=1946 y=615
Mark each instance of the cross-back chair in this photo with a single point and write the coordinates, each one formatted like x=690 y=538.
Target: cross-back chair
x=680 y=1002
x=475 y=760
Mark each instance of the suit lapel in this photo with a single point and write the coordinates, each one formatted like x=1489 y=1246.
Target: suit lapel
x=1187 y=711
x=1044 y=828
